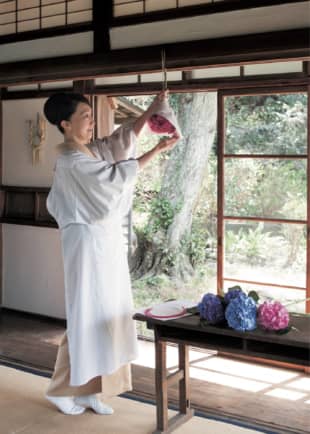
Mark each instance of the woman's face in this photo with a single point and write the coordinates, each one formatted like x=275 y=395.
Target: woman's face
x=81 y=124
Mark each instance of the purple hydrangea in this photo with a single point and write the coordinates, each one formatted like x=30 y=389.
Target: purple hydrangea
x=241 y=313
x=231 y=294
x=211 y=309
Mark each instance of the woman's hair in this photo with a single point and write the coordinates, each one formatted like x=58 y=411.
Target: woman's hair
x=61 y=106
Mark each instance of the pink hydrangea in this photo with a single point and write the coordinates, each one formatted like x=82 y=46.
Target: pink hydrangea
x=160 y=125
x=272 y=315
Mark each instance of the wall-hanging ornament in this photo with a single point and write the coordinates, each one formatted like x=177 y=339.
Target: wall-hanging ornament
x=37 y=134
x=164 y=120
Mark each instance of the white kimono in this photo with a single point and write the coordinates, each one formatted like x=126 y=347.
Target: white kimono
x=88 y=199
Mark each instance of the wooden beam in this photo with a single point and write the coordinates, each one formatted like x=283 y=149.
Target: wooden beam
x=266 y=47
x=220 y=190
x=102 y=17
x=235 y=85
x=308 y=207
x=1 y=195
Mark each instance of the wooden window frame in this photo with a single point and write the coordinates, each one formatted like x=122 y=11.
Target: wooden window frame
x=220 y=195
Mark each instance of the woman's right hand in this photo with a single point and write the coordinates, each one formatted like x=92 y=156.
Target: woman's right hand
x=167 y=143
x=162 y=146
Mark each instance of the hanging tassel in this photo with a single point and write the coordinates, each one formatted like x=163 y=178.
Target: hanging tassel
x=164 y=121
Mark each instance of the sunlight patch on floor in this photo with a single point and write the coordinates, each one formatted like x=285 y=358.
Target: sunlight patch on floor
x=286 y=394
x=246 y=370
x=228 y=380
x=301 y=384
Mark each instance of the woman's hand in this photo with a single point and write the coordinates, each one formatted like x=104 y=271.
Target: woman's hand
x=154 y=107
x=167 y=143
x=164 y=145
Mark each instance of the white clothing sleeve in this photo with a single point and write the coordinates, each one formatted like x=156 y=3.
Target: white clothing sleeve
x=120 y=145
x=100 y=185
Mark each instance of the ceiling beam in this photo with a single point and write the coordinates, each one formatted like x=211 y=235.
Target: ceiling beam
x=237 y=50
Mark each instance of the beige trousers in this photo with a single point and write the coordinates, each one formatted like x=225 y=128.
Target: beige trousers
x=109 y=385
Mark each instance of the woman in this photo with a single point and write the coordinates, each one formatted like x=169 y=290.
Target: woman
x=90 y=195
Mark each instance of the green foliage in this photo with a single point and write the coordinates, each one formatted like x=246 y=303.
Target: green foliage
x=246 y=244
x=275 y=124
x=162 y=213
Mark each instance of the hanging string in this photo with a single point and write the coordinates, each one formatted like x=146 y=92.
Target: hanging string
x=163 y=67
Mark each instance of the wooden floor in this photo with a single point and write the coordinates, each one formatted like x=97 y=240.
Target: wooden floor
x=219 y=385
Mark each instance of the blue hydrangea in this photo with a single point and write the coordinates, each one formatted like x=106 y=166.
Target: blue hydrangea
x=241 y=313
x=211 y=309
x=231 y=294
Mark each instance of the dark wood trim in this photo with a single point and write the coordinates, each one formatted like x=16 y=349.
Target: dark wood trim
x=234 y=85
x=265 y=219
x=268 y=156
x=85 y=87
x=220 y=190
x=25 y=206
x=46 y=33
x=1 y=196
x=202 y=85
x=308 y=208
x=191 y=11
x=271 y=46
x=102 y=18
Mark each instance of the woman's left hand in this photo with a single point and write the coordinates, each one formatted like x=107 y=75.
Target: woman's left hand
x=154 y=107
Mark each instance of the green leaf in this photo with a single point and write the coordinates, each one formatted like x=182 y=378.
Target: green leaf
x=254 y=295
x=233 y=288
x=193 y=310
x=284 y=331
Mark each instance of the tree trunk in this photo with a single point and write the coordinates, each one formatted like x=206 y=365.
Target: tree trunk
x=181 y=185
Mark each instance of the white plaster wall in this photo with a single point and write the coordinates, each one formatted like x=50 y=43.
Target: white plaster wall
x=66 y=45
x=17 y=155
x=32 y=270
x=32 y=259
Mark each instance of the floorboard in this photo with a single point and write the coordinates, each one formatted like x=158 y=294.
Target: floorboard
x=32 y=341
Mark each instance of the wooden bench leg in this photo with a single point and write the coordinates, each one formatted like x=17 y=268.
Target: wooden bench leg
x=184 y=402
x=161 y=386
x=165 y=425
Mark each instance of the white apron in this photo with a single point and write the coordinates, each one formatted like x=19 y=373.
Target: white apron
x=89 y=198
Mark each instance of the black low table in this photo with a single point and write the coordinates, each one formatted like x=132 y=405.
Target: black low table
x=292 y=347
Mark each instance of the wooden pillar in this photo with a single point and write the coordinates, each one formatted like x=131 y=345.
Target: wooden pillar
x=308 y=202
x=1 y=197
x=220 y=191
x=102 y=18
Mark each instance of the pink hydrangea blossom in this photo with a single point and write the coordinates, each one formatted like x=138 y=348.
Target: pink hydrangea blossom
x=160 y=125
x=272 y=315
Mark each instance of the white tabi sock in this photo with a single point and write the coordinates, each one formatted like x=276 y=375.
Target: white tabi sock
x=66 y=404
x=91 y=401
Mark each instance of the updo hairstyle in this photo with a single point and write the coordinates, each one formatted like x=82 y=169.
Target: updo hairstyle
x=61 y=106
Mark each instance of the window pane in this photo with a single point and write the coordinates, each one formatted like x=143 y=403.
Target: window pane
x=266 y=124
x=266 y=188
x=265 y=252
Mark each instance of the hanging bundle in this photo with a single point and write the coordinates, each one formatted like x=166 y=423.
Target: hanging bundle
x=164 y=120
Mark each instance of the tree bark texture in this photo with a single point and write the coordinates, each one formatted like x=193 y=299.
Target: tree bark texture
x=183 y=176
